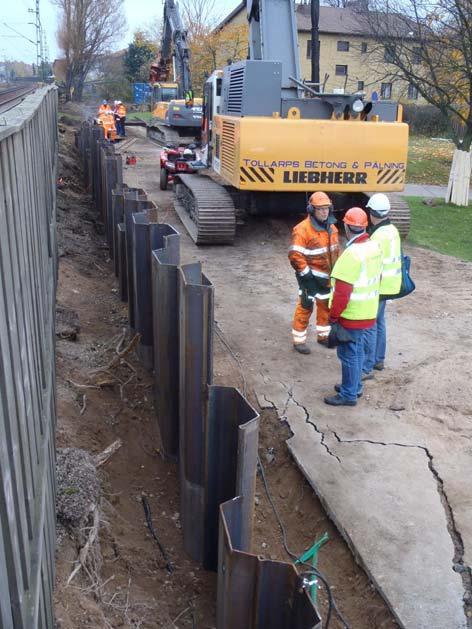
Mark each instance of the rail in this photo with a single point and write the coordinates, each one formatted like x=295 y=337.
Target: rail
x=12 y=96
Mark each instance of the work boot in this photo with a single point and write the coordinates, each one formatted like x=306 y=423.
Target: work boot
x=367 y=376
x=379 y=366
x=322 y=340
x=338 y=400
x=302 y=348
x=337 y=387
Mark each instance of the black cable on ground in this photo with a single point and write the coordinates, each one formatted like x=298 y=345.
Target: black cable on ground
x=310 y=570
x=147 y=512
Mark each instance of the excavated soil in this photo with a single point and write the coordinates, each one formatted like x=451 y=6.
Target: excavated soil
x=97 y=406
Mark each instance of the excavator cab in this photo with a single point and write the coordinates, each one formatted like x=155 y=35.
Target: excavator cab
x=164 y=92
x=211 y=107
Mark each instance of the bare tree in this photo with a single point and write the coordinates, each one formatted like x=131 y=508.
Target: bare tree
x=87 y=28
x=428 y=44
x=340 y=4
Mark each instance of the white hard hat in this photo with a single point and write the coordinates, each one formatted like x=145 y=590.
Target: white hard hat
x=116 y=102
x=188 y=152
x=379 y=205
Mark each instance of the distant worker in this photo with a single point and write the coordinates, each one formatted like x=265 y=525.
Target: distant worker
x=104 y=108
x=388 y=239
x=120 y=118
x=313 y=252
x=354 y=301
x=107 y=120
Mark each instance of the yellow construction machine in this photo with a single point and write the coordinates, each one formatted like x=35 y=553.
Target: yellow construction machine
x=269 y=140
x=177 y=115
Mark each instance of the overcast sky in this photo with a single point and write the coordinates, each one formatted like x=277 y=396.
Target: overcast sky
x=15 y=15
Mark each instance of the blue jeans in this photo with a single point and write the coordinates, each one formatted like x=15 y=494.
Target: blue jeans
x=351 y=355
x=375 y=340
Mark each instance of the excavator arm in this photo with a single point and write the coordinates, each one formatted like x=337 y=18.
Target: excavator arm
x=174 y=52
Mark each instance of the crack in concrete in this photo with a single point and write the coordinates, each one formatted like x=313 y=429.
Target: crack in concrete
x=456 y=537
x=312 y=423
x=283 y=416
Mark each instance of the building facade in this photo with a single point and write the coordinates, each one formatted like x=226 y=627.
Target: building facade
x=350 y=58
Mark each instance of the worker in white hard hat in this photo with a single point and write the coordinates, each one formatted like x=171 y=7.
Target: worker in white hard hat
x=120 y=118
x=387 y=237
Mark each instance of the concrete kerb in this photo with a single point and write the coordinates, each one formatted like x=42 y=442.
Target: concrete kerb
x=165 y=305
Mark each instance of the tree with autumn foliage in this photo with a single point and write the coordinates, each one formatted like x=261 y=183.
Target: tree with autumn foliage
x=210 y=48
x=428 y=43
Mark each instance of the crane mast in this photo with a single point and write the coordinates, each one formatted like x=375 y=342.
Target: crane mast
x=273 y=36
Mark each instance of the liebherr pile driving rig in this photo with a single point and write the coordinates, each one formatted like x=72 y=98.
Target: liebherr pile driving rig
x=269 y=139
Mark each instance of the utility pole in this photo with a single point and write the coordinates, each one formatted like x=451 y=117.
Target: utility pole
x=37 y=24
x=315 y=42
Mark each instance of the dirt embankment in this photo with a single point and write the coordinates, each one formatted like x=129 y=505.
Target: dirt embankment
x=102 y=400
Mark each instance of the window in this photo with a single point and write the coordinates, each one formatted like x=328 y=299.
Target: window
x=360 y=86
x=386 y=91
x=341 y=70
x=343 y=46
x=412 y=92
x=364 y=47
x=389 y=53
x=417 y=55
x=308 y=48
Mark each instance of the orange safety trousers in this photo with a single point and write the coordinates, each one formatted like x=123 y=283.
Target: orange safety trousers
x=301 y=319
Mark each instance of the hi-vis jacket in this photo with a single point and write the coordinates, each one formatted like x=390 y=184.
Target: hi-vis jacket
x=360 y=265
x=121 y=111
x=387 y=237
x=314 y=247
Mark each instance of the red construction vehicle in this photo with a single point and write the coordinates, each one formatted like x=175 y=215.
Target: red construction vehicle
x=176 y=160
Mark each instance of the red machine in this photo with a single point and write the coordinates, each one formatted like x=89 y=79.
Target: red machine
x=176 y=160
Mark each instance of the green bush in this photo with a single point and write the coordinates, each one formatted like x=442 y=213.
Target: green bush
x=425 y=120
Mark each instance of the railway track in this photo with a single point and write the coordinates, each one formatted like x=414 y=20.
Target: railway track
x=12 y=96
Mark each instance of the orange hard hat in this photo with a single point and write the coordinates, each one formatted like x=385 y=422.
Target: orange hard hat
x=319 y=199
x=356 y=217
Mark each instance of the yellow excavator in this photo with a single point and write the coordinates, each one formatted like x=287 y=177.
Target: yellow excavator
x=177 y=115
x=269 y=139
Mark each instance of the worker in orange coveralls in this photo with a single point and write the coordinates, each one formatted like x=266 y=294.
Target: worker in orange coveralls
x=313 y=252
x=104 y=108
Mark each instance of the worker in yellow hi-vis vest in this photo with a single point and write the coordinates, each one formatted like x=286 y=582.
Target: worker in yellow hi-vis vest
x=388 y=239
x=353 y=303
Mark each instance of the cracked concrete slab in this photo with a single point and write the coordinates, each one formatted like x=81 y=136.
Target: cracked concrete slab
x=406 y=511
x=400 y=536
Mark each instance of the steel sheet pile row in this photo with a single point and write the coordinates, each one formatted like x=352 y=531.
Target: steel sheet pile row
x=211 y=430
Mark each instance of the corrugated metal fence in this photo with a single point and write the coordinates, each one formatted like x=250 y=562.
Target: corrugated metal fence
x=28 y=154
